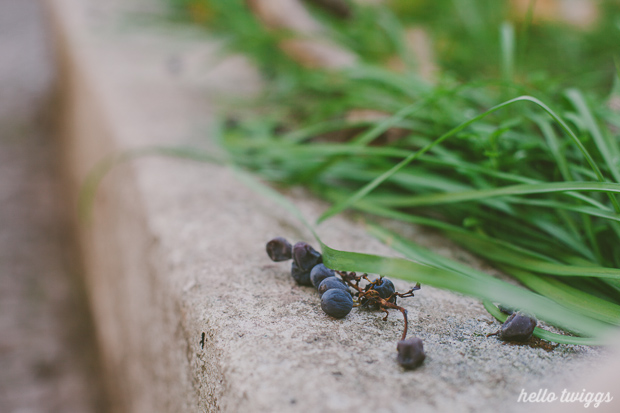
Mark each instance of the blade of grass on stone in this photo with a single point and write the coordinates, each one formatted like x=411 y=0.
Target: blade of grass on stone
x=417 y=253
x=602 y=310
x=503 y=292
x=92 y=181
x=587 y=304
x=494 y=289
x=255 y=185
x=413 y=251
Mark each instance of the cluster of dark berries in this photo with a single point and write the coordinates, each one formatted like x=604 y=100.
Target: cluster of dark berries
x=337 y=299
x=308 y=269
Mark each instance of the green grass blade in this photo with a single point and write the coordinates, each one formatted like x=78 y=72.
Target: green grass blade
x=257 y=186
x=607 y=149
x=525 y=189
x=510 y=295
x=502 y=255
x=417 y=253
x=88 y=189
x=554 y=146
x=508 y=51
x=337 y=208
x=578 y=300
x=601 y=211
x=585 y=303
x=489 y=289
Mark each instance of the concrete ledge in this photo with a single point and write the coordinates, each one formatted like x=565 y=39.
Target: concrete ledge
x=175 y=252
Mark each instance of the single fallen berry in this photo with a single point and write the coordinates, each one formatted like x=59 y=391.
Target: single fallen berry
x=332 y=282
x=410 y=352
x=336 y=302
x=279 y=249
x=319 y=273
x=517 y=327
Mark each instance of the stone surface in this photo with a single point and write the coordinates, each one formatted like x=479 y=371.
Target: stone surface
x=191 y=313
x=48 y=357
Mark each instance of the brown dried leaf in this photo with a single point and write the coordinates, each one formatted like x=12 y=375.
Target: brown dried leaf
x=582 y=14
x=318 y=53
x=285 y=15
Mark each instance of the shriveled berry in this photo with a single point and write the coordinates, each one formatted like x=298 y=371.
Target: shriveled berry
x=410 y=352
x=279 y=249
x=306 y=257
x=517 y=327
x=302 y=277
x=332 y=282
x=319 y=273
x=336 y=302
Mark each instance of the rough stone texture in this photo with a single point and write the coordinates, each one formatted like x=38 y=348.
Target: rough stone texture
x=47 y=350
x=191 y=314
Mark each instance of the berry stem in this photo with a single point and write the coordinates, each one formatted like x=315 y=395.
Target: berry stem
x=353 y=281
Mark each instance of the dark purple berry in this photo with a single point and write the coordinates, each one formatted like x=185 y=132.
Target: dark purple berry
x=306 y=257
x=279 y=249
x=319 y=273
x=410 y=352
x=336 y=302
x=332 y=282
x=517 y=327
x=302 y=277
x=385 y=289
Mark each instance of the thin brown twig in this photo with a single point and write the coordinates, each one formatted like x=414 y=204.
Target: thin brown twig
x=371 y=297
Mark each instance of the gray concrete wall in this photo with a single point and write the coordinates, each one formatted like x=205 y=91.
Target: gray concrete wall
x=176 y=249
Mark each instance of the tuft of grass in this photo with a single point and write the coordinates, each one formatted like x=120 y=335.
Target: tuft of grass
x=505 y=154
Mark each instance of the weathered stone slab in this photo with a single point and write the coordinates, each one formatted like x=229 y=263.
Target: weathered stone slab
x=191 y=314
